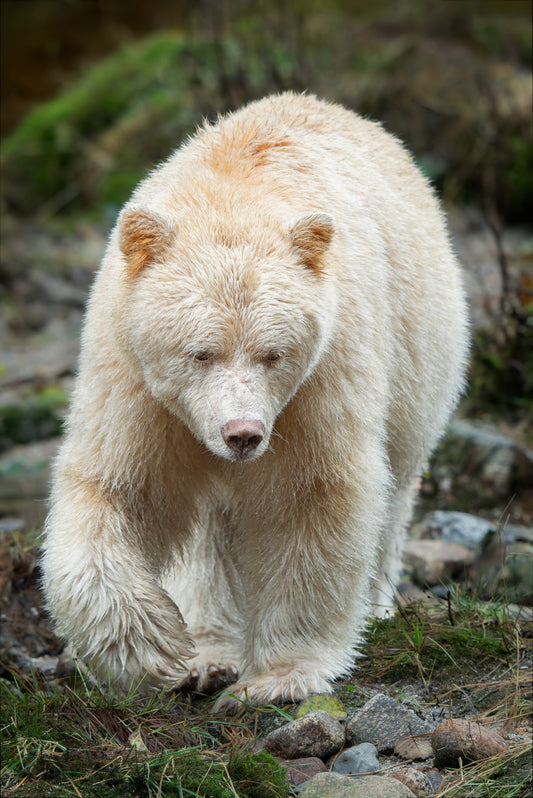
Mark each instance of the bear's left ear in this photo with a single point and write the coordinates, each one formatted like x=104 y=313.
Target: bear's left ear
x=310 y=236
x=143 y=236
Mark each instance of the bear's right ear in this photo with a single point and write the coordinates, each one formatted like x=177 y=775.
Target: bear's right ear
x=311 y=236
x=143 y=237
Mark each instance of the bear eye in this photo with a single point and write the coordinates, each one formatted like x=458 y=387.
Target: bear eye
x=272 y=357
x=201 y=357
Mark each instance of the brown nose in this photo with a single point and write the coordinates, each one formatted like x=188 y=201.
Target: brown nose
x=243 y=436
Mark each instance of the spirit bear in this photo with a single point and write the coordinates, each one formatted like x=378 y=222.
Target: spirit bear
x=275 y=340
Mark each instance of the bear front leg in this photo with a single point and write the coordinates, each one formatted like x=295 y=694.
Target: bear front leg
x=206 y=586
x=103 y=596
x=308 y=591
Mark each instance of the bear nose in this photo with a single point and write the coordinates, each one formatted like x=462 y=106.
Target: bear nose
x=243 y=436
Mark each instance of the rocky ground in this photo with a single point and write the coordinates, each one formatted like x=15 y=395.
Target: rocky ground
x=474 y=526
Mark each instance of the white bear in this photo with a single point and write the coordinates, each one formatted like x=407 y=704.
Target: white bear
x=273 y=345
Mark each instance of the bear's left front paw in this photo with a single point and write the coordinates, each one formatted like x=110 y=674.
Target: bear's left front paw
x=276 y=687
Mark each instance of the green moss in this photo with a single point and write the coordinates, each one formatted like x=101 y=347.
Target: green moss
x=328 y=703
x=91 y=144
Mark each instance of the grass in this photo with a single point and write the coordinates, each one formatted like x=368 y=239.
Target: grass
x=456 y=636
x=496 y=777
x=68 y=740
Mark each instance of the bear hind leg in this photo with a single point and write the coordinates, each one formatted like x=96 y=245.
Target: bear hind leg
x=390 y=556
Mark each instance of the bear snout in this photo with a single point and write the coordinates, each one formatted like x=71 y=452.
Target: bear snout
x=243 y=436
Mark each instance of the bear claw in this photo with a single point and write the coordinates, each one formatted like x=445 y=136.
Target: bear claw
x=211 y=678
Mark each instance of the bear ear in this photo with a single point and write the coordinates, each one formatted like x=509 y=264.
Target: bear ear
x=311 y=236
x=143 y=237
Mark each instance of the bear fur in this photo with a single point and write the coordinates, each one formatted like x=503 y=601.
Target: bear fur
x=272 y=347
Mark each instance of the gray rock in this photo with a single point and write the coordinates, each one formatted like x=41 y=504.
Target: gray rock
x=473 y=454
x=382 y=721
x=25 y=480
x=454 y=527
x=332 y=785
x=316 y=734
x=361 y=758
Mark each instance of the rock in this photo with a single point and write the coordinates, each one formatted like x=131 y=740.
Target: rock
x=453 y=527
x=300 y=770
x=504 y=568
x=435 y=778
x=357 y=759
x=466 y=740
x=316 y=734
x=382 y=721
x=476 y=455
x=329 y=703
x=410 y=746
x=332 y=785
x=431 y=562
x=415 y=780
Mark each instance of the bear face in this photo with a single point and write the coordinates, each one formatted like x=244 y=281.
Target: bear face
x=224 y=349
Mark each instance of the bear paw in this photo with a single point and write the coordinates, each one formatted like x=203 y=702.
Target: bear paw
x=211 y=677
x=274 y=688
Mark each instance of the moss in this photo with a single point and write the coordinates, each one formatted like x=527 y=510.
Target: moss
x=328 y=703
x=91 y=144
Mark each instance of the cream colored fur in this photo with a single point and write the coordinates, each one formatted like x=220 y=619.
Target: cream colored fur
x=288 y=267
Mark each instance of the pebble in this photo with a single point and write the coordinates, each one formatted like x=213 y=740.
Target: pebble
x=466 y=740
x=435 y=778
x=382 y=721
x=361 y=758
x=434 y=561
x=316 y=734
x=332 y=785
